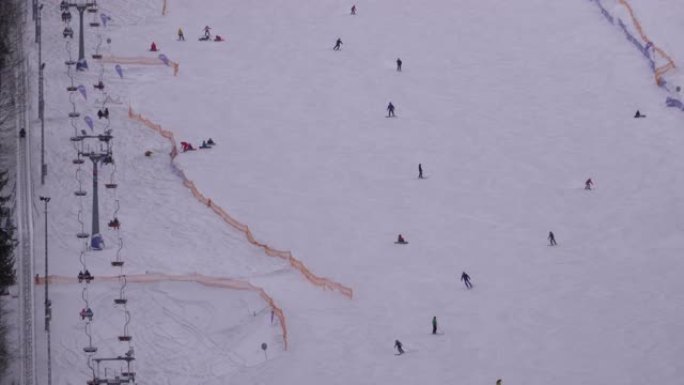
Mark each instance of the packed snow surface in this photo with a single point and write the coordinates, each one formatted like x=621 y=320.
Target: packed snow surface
x=508 y=105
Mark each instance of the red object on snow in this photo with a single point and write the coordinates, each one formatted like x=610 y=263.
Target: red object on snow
x=153 y=47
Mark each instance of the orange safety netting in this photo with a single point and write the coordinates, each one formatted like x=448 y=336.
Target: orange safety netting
x=286 y=255
x=669 y=63
x=225 y=283
x=140 y=60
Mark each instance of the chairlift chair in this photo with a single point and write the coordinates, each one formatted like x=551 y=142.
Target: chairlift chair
x=68 y=32
x=120 y=301
x=90 y=349
x=72 y=88
x=97 y=56
x=78 y=161
x=81 y=193
x=74 y=114
x=70 y=62
x=82 y=235
x=111 y=185
x=117 y=263
x=125 y=338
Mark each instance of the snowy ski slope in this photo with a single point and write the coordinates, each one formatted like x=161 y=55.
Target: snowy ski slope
x=509 y=106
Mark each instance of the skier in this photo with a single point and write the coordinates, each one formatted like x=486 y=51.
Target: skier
x=180 y=34
x=210 y=142
x=401 y=240
x=338 y=44
x=587 y=184
x=106 y=113
x=206 y=30
x=153 y=47
x=639 y=115
x=399 y=346
x=420 y=171
x=498 y=382
x=434 y=325
x=204 y=144
x=552 y=239
x=466 y=280
x=390 y=110
x=353 y=9
x=399 y=62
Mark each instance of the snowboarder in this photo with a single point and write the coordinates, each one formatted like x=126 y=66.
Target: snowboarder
x=207 y=34
x=218 y=38
x=204 y=144
x=399 y=346
x=353 y=9
x=466 y=280
x=390 y=110
x=552 y=239
x=185 y=146
x=210 y=142
x=420 y=171
x=399 y=62
x=401 y=240
x=498 y=382
x=639 y=115
x=153 y=47
x=181 y=37
x=434 y=325
x=587 y=184
x=338 y=44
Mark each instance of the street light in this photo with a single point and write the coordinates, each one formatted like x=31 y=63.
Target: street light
x=48 y=303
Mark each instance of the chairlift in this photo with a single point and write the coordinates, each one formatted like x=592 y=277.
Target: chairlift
x=81 y=193
x=129 y=374
x=72 y=88
x=68 y=32
x=78 y=161
x=125 y=338
x=93 y=8
x=97 y=56
x=76 y=139
x=120 y=301
x=64 y=5
x=100 y=85
x=66 y=16
x=111 y=185
x=94 y=23
x=74 y=114
x=114 y=223
x=117 y=263
x=82 y=235
x=90 y=349
x=70 y=62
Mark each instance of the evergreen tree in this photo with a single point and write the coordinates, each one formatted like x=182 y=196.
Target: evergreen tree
x=7 y=242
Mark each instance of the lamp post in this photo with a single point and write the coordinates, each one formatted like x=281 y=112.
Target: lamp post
x=41 y=94
x=48 y=303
